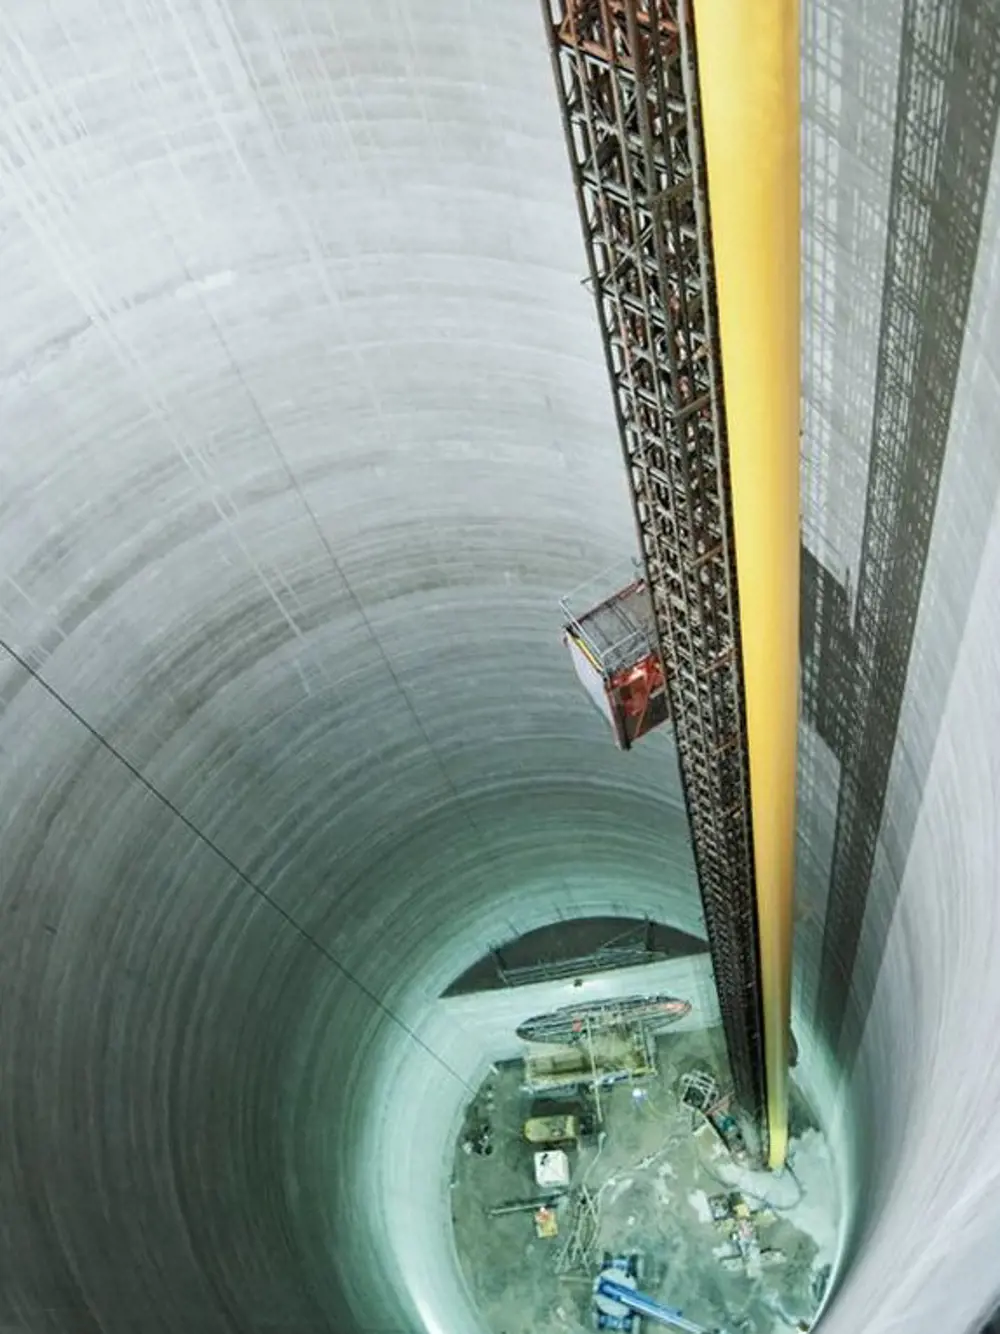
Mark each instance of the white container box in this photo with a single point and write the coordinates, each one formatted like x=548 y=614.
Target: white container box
x=552 y=1168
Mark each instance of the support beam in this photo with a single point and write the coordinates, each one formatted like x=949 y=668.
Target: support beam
x=748 y=65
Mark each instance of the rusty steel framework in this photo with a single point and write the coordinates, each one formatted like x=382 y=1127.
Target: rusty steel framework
x=627 y=82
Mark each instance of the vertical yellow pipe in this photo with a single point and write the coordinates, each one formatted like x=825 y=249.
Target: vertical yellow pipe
x=748 y=69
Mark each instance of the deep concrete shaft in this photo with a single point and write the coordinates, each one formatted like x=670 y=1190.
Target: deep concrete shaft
x=303 y=429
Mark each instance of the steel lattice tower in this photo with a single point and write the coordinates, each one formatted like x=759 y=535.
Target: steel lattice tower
x=626 y=76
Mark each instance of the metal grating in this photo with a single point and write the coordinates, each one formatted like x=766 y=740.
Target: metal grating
x=627 y=84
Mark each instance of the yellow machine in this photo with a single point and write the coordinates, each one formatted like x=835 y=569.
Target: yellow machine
x=551 y=1129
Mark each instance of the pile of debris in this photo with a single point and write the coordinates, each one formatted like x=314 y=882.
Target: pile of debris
x=734 y=1214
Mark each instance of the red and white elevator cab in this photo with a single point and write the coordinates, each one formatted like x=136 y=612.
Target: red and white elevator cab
x=613 y=647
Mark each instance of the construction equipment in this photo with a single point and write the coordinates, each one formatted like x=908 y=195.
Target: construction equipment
x=627 y=83
x=734 y=1214
x=548 y=1201
x=619 y=1305
x=733 y=1207
x=613 y=647
x=700 y=1092
x=599 y=1060
x=552 y=1129
x=571 y=1023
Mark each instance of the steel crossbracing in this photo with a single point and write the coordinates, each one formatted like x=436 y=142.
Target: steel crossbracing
x=626 y=78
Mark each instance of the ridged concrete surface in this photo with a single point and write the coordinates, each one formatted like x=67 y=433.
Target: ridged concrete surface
x=303 y=430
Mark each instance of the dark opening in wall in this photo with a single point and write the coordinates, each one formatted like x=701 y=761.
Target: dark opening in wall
x=565 y=949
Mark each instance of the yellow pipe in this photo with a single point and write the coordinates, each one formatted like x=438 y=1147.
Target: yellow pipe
x=748 y=71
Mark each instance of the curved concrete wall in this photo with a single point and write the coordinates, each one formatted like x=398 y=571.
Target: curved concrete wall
x=303 y=430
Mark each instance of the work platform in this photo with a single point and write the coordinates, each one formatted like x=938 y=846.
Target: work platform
x=612 y=643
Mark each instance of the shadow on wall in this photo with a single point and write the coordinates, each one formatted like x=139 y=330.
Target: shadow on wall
x=854 y=672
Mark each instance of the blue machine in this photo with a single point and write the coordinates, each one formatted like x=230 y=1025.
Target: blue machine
x=619 y=1305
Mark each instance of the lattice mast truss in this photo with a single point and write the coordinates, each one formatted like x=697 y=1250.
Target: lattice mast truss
x=626 y=77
